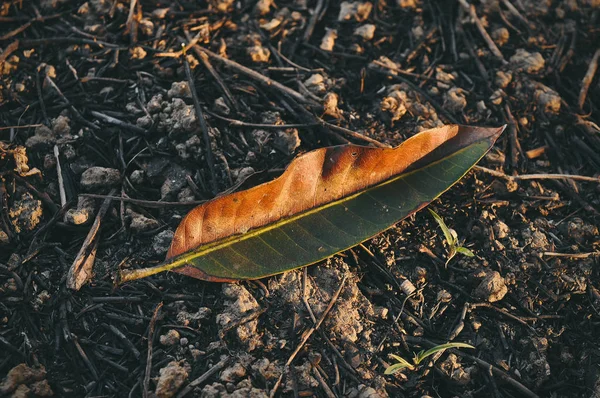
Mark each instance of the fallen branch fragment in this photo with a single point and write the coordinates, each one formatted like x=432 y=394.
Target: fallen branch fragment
x=218 y=366
x=254 y=75
x=146 y=385
x=572 y=255
x=119 y=123
x=81 y=269
x=210 y=159
x=140 y=202
x=353 y=134
x=470 y=8
x=500 y=174
x=20 y=127
x=587 y=79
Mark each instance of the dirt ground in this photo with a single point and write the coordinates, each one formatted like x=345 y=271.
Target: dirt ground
x=94 y=99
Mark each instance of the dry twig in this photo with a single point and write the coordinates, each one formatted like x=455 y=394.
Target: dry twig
x=587 y=79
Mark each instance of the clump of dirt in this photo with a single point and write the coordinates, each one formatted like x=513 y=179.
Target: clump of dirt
x=171 y=379
x=23 y=381
x=25 y=213
x=239 y=305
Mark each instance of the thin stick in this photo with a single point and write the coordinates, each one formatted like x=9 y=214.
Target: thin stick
x=80 y=271
x=146 y=384
x=572 y=255
x=513 y=10
x=26 y=126
x=307 y=335
x=305 y=295
x=526 y=392
x=255 y=75
x=220 y=365
x=515 y=145
x=314 y=18
x=61 y=183
x=210 y=159
x=500 y=174
x=140 y=202
x=587 y=79
x=470 y=8
x=353 y=134
x=239 y=123
x=119 y=123
x=323 y=383
x=220 y=83
x=130 y=23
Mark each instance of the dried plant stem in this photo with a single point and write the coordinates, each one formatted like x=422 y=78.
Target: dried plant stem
x=81 y=269
x=500 y=174
x=116 y=122
x=587 y=79
x=353 y=134
x=218 y=366
x=152 y=326
x=254 y=75
x=61 y=183
x=571 y=255
x=210 y=159
x=239 y=123
x=140 y=202
x=470 y=8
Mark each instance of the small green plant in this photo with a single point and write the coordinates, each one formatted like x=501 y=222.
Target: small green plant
x=452 y=239
x=402 y=363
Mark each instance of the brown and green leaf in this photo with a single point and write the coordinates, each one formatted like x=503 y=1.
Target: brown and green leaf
x=326 y=201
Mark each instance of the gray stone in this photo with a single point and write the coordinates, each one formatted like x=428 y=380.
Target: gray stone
x=96 y=178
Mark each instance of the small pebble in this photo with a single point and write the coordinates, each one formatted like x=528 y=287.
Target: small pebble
x=503 y=79
x=60 y=125
x=367 y=31
x=96 y=178
x=170 y=380
x=171 y=338
x=455 y=100
x=492 y=288
x=524 y=61
x=328 y=40
x=179 y=90
x=501 y=36
x=162 y=242
x=141 y=223
x=259 y=54
x=25 y=213
x=356 y=10
x=43 y=139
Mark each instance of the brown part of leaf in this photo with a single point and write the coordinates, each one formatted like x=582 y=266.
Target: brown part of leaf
x=312 y=180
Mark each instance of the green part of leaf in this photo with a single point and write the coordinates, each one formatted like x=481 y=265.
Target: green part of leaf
x=445 y=229
x=401 y=360
x=464 y=251
x=319 y=233
x=431 y=351
x=401 y=364
x=395 y=368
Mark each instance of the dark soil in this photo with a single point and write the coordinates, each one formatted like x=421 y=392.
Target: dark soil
x=96 y=92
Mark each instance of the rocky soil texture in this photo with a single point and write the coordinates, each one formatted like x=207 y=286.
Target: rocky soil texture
x=100 y=131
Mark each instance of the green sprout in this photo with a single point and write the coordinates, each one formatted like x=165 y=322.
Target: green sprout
x=402 y=363
x=451 y=238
